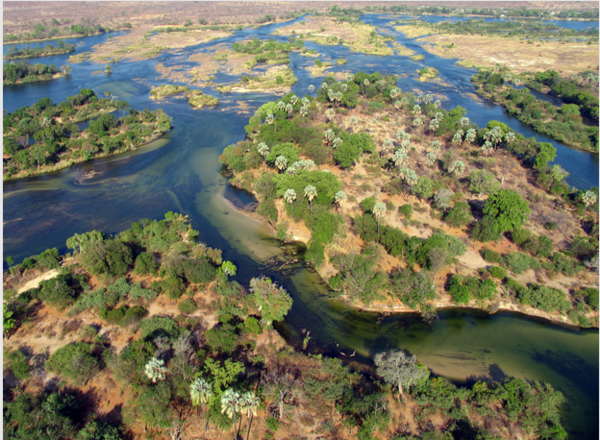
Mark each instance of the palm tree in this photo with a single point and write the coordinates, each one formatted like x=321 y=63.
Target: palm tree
x=201 y=393
x=311 y=88
x=281 y=162
x=379 y=212
x=340 y=197
x=330 y=113
x=155 y=369
x=310 y=192
x=400 y=158
x=589 y=198
x=471 y=135
x=249 y=403
x=263 y=150
x=289 y=196
x=304 y=111
x=456 y=167
x=430 y=158
x=388 y=145
x=230 y=405
x=458 y=137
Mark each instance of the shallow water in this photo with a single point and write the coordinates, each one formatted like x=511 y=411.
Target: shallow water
x=180 y=172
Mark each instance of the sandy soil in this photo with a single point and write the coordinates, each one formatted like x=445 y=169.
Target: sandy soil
x=355 y=35
x=36 y=281
x=480 y=50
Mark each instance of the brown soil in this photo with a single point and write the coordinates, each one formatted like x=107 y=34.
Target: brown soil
x=518 y=55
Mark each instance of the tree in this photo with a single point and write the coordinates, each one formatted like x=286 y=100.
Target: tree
x=230 y=405
x=281 y=163
x=399 y=369
x=155 y=369
x=340 y=197
x=289 y=196
x=378 y=212
x=588 y=198
x=81 y=242
x=228 y=268
x=273 y=301
x=423 y=189
x=310 y=192
x=201 y=393
x=508 y=209
x=249 y=404
x=9 y=321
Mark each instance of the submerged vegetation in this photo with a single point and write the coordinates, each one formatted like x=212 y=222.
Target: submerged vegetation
x=463 y=179
x=46 y=137
x=214 y=362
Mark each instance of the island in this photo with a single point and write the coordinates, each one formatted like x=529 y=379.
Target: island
x=405 y=206
x=61 y=48
x=25 y=73
x=58 y=142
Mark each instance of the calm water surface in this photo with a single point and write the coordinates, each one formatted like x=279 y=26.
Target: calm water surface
x=180 y=172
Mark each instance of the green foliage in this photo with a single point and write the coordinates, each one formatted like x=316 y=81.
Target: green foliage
x=486 y=230
x=490 y=255
x=63 y=290
x=94 y=430
x=111 y=257
x=406 y=211
x=414 y=288
x=222 y=339
x=252 y=326
x=157 y=326
x=519 y=263
x=358 y=277
x=272 y=301
x=462 y=287
x=187 y=306
x=75 y=362
x=459 y=216
x=18 y=364
x=508 y=210
x=591 y=296
x=497 y=272
x=145 y=264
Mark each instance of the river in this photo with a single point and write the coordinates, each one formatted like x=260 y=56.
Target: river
x=180 y=172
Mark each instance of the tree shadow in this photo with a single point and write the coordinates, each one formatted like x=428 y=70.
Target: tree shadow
x=495 y=374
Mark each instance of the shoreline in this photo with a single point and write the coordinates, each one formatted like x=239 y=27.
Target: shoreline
x=391 y=306
x=61 y=165
x=41 y=40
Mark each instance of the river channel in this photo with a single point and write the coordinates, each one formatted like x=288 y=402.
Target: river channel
x=180 y=172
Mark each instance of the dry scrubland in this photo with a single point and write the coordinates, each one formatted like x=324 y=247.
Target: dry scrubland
x=23 y=16
x=481 y=50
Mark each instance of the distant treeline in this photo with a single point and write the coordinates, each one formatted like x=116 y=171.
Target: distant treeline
x=61 y=48
x=59 y=28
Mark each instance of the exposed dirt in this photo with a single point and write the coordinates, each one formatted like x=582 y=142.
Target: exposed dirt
x=36 y=281
x=483 y=50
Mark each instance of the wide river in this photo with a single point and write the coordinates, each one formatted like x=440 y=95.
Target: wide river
x=180 y=172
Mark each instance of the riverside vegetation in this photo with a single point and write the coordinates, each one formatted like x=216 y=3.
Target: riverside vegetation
x=403 y=202
x=61 y=48
x=195 y=98
x=579 y=93
x=26 y=73
x=58 y=141
x=149 y=321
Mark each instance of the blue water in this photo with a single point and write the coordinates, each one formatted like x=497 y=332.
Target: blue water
x=176 y=173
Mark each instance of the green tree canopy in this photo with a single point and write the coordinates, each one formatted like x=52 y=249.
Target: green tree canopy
x=508 y=209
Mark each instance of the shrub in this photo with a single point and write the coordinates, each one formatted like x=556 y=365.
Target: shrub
x=565 y=264
x=490 y=255
x=406 y=211
x=462 y=287
x=252 y=325
x=199 y=271
x=159 y=326
x=497 y=272
x=520 y=236
x=459 y=216
x=133 y=316
x=591 y=296
x=222 y=339
x=485 y=230
x=146 y=264
x=74 y=361
x=187 y=306
x=519 y=263
x=544 y=298
x=18 y=364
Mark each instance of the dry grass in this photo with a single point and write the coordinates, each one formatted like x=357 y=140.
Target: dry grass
x=518 y=55
x=357 y=36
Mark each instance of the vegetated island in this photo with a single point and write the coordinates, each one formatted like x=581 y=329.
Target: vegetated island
x=579 y=92
x=195 y=98
x=150 y=321
x=58 y=140
x=408 y=207
x=13 y=53
x=520 y=45
x=340 y=29
x=25 y=73
x=276 y=79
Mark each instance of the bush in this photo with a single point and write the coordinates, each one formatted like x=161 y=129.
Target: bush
x=74 y=361
x=591 y=296
x=485 y=230
x=565 y=264
x=199 y=271
x=133 y=316
x=187 y=306
x=459 y=216
x=146 y=264
x=406 y=211
x=544 y=298
x=252 y=326
x=519 y=263
x=18 y=364
x=490 y=255
x=497 y=272
x=159 y=326
x=462 y=287
x=222 y=339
